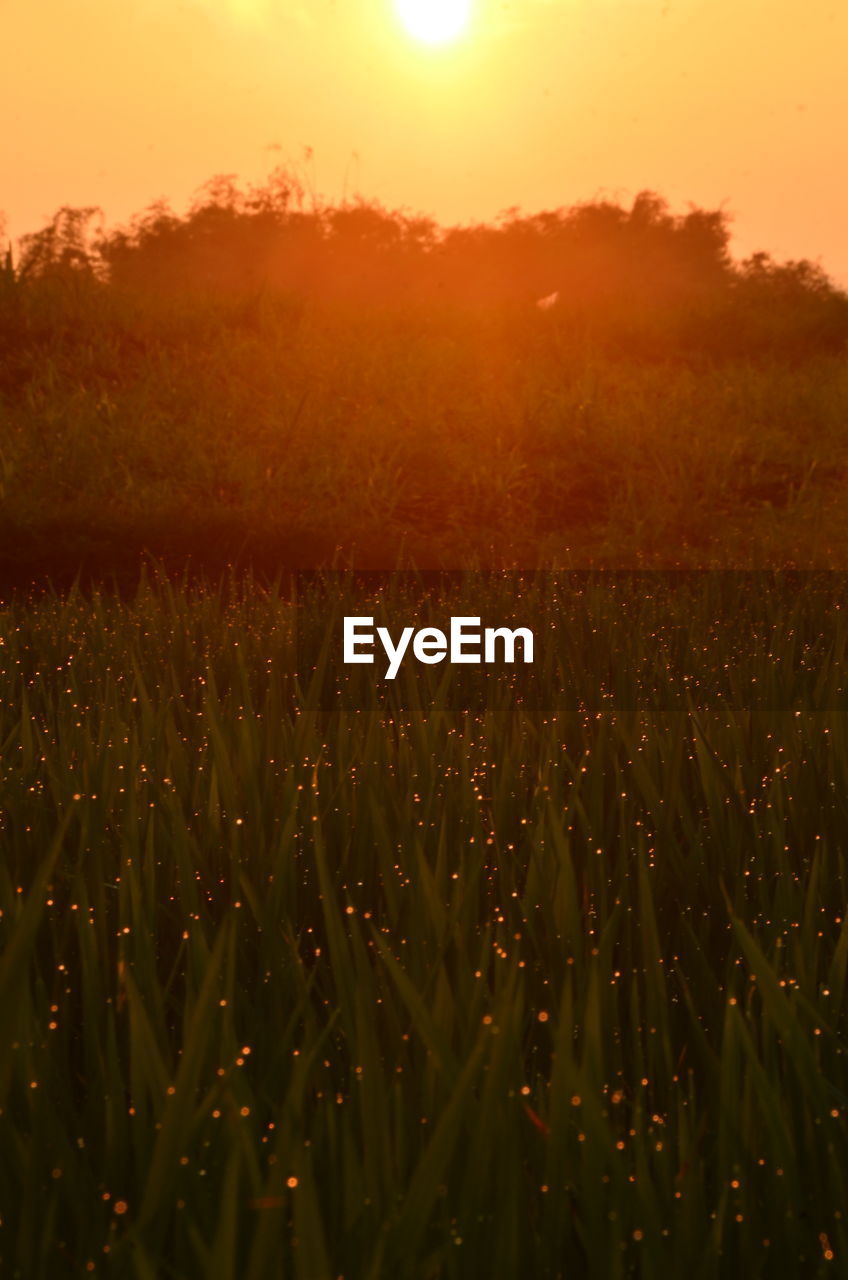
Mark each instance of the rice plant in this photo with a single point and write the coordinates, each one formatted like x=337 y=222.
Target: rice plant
x=530 y=977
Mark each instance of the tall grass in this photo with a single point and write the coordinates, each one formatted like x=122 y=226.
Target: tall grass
x=384 y=435
x=549 y=989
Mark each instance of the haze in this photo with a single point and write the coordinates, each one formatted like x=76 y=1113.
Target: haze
x=733 y=103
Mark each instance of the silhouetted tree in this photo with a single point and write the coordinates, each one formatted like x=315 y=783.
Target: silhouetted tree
x=641 y=280
x=65 y=248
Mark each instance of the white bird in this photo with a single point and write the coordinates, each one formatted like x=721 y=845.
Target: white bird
x=550 y=300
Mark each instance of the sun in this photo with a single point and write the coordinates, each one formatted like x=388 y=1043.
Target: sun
x=434 y=21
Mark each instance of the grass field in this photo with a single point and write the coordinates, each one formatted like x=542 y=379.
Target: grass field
x=547 y=988
x=533 y=973
x=434 y=436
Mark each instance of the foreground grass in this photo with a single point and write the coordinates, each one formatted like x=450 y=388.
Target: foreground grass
x=550 y=987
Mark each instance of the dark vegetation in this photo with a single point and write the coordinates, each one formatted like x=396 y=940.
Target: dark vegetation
x=640 y=281
x=294 y=383
x=551 y=982
x=553 y=991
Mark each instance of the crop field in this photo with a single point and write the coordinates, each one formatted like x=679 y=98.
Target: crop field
x=526 y=970
x=543 y=980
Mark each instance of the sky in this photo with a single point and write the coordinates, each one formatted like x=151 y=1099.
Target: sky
x=734 y=104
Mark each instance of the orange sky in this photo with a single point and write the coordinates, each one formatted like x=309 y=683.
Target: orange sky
x=543 y=103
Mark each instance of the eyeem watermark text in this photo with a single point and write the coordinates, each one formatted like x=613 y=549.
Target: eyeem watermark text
x=464 y=642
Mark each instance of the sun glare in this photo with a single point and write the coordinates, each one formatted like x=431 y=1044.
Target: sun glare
x=434 y=21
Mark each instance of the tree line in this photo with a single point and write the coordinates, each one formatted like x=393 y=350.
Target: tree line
x=637 y=276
